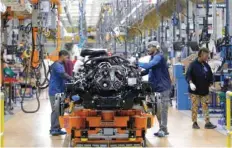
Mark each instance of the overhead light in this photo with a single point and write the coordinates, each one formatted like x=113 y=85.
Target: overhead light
x=153 y=1
x=89 y=2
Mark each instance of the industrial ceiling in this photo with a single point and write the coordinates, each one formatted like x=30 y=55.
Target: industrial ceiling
x=70 y=12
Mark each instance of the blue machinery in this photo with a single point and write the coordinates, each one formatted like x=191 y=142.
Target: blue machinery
x=182 y=97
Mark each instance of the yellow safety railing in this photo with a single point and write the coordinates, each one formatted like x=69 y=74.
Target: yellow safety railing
x=228 y=117
x=2 y=119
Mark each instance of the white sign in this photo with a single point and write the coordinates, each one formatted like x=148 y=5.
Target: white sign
x=210 y=6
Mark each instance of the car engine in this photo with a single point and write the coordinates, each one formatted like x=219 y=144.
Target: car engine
x=108 y=83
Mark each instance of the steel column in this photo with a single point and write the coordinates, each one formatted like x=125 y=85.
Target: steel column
x=187 y=27
x=207 y=18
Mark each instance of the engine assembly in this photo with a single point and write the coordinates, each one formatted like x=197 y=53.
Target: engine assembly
x=108 y=83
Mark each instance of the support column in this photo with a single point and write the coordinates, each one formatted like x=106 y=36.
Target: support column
x=207 y=18
x=214 y=7
x=187 y=27
x=229 y=17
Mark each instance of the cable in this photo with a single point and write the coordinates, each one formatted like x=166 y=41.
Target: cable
x=29 y=68
x=23 y=97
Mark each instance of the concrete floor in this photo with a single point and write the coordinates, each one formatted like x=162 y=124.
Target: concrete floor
x=32 y=130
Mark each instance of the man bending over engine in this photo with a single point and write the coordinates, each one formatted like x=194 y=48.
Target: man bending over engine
x=57 y=85
x=161 y=83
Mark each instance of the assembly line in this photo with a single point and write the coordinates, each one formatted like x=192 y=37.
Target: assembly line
x=115 y=73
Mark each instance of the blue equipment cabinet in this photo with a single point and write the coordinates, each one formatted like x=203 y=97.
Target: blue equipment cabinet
x=182 y=96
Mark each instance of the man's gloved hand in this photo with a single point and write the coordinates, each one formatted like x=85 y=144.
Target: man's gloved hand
x=192 y=86
x=140 y=64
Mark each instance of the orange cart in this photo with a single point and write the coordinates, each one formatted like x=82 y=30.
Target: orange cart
x=103 y=128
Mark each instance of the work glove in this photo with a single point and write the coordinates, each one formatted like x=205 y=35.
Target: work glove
x=212 y=88
x=192 y=87
x=140 y=64
x=75 y=98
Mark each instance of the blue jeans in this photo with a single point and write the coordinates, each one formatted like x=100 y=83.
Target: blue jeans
x=55 y=124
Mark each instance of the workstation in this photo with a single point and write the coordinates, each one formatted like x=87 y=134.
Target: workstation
x=116 y=73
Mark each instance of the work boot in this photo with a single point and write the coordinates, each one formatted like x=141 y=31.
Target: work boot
x=195 y=125
x=209 y=125
x=165 y=132
x=57 y=132
x=162 y=133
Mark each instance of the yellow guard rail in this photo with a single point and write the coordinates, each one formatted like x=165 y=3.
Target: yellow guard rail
x=2 y=119
x=228 y=117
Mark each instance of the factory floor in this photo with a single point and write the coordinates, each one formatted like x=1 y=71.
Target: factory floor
x=32 y=130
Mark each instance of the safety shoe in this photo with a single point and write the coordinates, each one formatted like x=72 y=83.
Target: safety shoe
x=161 y=133
x=209 y=125
x=57 y=132
x=165 y=132
x=195 y=125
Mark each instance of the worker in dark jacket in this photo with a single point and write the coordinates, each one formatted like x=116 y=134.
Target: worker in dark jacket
x=159 y=77
x=200 y=78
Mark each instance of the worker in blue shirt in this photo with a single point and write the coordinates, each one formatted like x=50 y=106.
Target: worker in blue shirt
x=159 y=77
x=57 y=85
x=200 y=78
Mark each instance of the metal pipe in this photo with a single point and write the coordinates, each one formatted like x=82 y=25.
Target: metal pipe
x=162 y=30
x=227 y=18
x=187 y=27
x=179 y=26
x=58 y=47
x=207 y=22
x=174 y=29
x=166 y=31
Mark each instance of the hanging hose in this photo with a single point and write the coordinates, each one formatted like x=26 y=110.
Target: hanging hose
x=38 y=85
x=25 y=88
x=46 y=79
x=28 y=73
